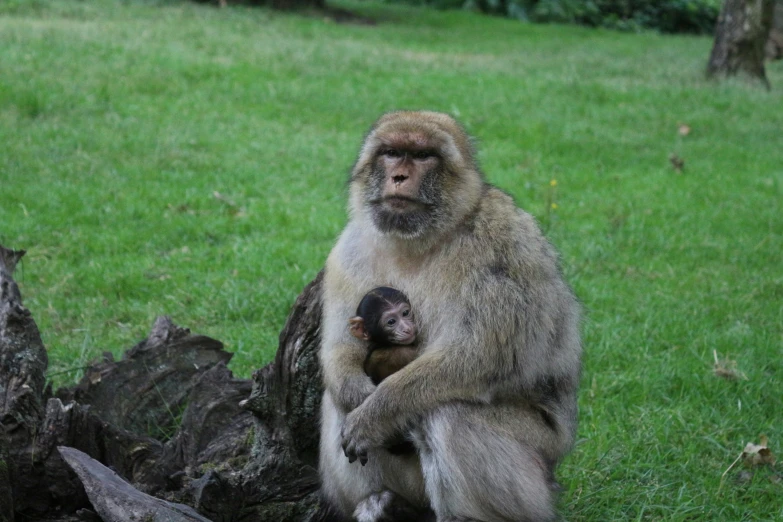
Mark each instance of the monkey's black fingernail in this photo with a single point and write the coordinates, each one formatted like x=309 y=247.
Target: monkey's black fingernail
x=363 y=459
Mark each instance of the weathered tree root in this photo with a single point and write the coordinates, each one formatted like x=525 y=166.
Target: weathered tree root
x=115 y=500
x=169 y=420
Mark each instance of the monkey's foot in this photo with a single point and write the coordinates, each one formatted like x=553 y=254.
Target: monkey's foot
x=385 y=506
x=372 y=508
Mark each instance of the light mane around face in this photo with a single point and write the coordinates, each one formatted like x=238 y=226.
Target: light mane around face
x=415 y=177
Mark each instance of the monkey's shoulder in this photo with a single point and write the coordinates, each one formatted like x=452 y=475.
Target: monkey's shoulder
x=499 y=218
x=350 y=266
x=501 y=211
x=509 y=236
x=350 y=249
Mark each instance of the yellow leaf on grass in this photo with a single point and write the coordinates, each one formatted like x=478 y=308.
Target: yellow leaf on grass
x=752 y=456
x=758 y=454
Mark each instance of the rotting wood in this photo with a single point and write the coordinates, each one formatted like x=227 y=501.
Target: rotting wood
x=168 y=418
x=115 y=500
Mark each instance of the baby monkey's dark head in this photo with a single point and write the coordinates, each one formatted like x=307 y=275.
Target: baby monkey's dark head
x=384 y=317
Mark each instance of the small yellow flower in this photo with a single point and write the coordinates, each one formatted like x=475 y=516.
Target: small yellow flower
x=553 y=183
x=554 y=206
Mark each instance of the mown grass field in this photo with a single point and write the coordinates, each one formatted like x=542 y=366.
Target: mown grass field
x=171 y=158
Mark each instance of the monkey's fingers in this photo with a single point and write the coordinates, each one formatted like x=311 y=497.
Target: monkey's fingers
x=361 y=454
x=350 y=450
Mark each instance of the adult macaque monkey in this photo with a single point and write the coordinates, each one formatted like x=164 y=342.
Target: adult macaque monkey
x=491 y=399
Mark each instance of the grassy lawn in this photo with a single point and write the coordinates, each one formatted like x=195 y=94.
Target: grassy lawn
x=171 y=158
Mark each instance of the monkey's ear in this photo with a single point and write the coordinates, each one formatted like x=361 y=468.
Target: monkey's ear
x=356 y=325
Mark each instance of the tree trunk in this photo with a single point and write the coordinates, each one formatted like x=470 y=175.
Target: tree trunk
x=740 y=36
x=774 y=47
x=233 y=449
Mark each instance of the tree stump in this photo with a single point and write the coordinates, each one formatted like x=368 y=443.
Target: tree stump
x=741 y=34
x=165 y=429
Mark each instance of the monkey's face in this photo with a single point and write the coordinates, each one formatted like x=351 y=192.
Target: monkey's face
x=404 y=192
x=398 y=324
x=415 y=173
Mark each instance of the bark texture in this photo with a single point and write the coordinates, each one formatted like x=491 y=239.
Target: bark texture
x=164 y=428
x=774 y=47
x=115 y=500
x=741 y=34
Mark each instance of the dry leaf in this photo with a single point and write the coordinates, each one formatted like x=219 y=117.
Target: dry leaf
x=233 y=208
x=182 y=208
x=752 y=456
x=684 y=129
x=220 y=197
x=677 y=162
x=758 y=454
x=726 y=368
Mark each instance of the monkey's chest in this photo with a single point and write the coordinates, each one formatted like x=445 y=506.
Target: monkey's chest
x=434 y=292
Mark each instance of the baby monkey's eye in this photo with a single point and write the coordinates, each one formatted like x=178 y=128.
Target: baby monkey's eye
x=406 y=313
x=391 y=322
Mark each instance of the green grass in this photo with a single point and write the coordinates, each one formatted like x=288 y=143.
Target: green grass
x=119 y=121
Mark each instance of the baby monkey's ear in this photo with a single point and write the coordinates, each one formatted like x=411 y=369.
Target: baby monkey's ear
x=356 y=325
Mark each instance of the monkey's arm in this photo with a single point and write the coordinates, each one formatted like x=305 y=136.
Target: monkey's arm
x=510 y=349
x=342 y=355
x=430 y=379
x=382 y=362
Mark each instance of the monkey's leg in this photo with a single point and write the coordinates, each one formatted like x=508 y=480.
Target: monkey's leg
x=387 y=488
x=343 y=484
x=390 y=507
x=483 y=462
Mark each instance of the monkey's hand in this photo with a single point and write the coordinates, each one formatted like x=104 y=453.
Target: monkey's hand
x=361 y=431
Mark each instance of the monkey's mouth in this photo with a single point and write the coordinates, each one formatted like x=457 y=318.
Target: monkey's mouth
x=406 y=340
x=400 y=203
x=401 y=214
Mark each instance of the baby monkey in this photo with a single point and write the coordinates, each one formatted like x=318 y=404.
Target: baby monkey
x=384 y=318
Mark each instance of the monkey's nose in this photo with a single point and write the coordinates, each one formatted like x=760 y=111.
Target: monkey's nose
x=399 y=179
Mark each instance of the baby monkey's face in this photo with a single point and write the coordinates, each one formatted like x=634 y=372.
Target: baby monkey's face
x=398 y=324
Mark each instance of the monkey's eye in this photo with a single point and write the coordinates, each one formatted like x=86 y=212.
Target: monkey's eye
x=392 y=153
x=406 y=313
x=422 y=154
x=391 y=322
